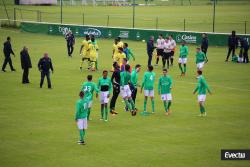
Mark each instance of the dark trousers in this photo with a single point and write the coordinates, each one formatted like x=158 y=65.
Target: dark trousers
x=134 y=93
x=6 y=61
x=166 y=58
x=116 y=92
x=230 y=49
x=245 y=56
x=47 y=74
x=25 y=75
x=150 y=55
x=70 y=48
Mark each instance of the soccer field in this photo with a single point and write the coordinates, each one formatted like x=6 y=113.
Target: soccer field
x=197 y=17
x=37 y=126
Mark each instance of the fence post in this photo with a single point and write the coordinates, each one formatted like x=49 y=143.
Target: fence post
x=83 y=19
x=37 y=13
x=245 y=27
x=108 y=21
x=156 y=23
x=40 y=13
x=15 y=16
x=184 y=24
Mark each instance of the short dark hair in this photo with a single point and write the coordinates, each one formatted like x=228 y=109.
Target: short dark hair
x=126 y=44
x=115 y=65
x=89 y=77
x=198 y=48
x=164 y=69
x=125 y=59
x=87 y=36
x=8 y=38
x=160 y=35
x=233 y=32
x=137 y=66
x=119 y=38
x=199 y=72
x=127 y=67
x=81 y=94
x=104 y=71
x=120 y=48
x=150 y=68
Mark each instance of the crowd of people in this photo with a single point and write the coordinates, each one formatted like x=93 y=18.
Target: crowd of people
x=125 y=79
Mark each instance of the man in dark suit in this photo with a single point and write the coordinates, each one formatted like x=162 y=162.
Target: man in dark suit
x=232 y=43
x=204 y=43
x=150 y=49
x=70 y=43
x=44 y=66
x=26 y=64
x=7 y=50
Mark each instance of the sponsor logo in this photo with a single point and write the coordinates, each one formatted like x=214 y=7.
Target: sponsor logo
x=235 y=154
x=124 y=34
x=92 y=31
x=63 y=29
x=187 y=38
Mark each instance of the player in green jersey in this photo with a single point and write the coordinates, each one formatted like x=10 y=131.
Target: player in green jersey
x=164 y=89
x=88 y=88
x=202 y=88
x=105 y=87
x=81 y=116
x=201 y=59
x=134 y=81
x=148 y=86
x=183 y=58
x=125 y=90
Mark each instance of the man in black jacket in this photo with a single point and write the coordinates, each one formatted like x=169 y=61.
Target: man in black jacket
x=115 y=79
x=26 y=64
x=244 y=49
x=204 y=43
x=44 y=66
x=150 y=49
x=7 y=50
x=232 y=43
x=70 y=43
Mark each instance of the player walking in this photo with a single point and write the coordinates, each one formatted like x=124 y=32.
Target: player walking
x=200 y=59
x=183 y=58
x=105 y=87
x=202 y=88
x=164 y=89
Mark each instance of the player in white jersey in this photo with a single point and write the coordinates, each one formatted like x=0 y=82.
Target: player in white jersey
x=160 y=48
x=166 y=52
x=172 y=48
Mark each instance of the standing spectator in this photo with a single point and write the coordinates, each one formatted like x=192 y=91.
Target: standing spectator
x=245 y=47
x=26 y=64
x=44 y=66
x=150 y=49
x=204 y=43
x=232 y=43
x=172 y=48
x=160 y=47
x=7 y=50
x=70 y=43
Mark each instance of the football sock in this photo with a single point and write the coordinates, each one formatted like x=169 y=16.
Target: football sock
x=180 y=67
x=132 y=103
x=165 y=106
x=102 y=111
x=202 y=109
x=88 y=113
x=172 y=61
x=169 y=104
x=106 y=113
x=145 y=104
x=127 y=104
x=185 y=68
x=153 y=105
x=81 y=134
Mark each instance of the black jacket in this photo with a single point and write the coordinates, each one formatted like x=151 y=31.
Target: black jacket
x=115 y=79
x=70 y=39
x=204 y=44
x=7 y=49
x=244 y=43
x=150 y=46
x=25 y=59
x=45 y=64
x=232 y=41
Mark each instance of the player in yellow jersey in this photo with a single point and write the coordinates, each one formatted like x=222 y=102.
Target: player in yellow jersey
x=93 y=48
x=120 y=44
x=120 y=56
x=84 y=51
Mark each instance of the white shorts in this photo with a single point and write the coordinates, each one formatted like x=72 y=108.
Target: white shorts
x=82 y=123
x=126 y=92
x=90 y=104
x=200 y=65
x=182 y=60
x=201 y=98
x=167 y=97
x=104 y=97
x=149 y=93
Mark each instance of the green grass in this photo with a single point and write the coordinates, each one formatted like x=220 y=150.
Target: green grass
x=37 y=126
x=198 y=17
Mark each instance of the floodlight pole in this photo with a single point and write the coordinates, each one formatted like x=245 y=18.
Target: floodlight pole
x=214 y=16
x=133 y=13
x=61 y=9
